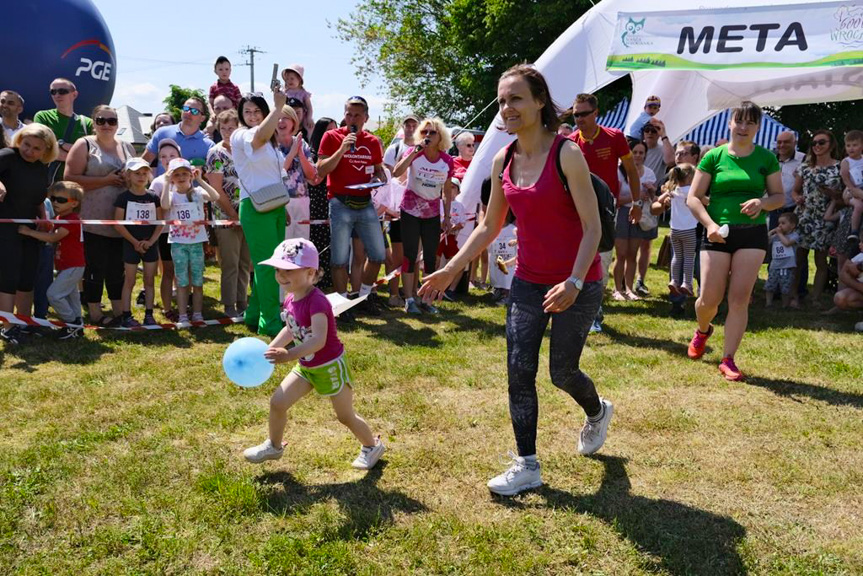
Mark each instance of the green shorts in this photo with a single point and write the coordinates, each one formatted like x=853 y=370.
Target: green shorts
x=327 y=379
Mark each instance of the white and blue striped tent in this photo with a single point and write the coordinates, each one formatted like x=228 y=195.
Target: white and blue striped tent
x=708 y=132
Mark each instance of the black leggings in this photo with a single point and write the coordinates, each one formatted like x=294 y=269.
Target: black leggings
x=19 y=260
x=413 y=230
x=525 y=326
x=104 y=268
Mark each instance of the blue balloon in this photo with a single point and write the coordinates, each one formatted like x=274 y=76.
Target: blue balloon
x=244 y=363
x=48 y=39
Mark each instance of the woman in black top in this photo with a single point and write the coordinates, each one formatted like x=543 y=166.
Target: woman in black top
x=23 y=188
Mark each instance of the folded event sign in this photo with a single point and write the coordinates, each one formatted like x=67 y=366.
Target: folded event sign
x=778 y=36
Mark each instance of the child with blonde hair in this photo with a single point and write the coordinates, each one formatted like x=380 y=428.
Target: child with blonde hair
x=63 y=295
x=322 y=367
x=683 y=224
x=183 y=198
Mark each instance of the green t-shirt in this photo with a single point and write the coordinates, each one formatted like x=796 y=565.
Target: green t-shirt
x=58 y=124
x=736 y=180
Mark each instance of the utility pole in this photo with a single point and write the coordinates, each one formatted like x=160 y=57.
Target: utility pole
x=251 y=51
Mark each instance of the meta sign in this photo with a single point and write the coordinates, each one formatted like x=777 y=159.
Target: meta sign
x=789 y=36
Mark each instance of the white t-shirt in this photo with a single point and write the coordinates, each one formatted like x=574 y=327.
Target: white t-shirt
x=457 y=213
x=183 y=209
x=856 y=169
x=255 y=168
x=500 y=247
x=788 y=168
x=625 y=198
x=394 y=153
x=426 y=179
x=681 y=216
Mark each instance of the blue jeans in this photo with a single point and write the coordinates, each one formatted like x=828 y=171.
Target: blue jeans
x=525 y=326
x=343 y=221
x=44 y=278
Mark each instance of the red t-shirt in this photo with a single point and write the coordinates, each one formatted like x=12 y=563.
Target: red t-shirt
x=549 y=228
x=70 y=251
x=356 y=167
x=228 y=89
x=460 y=166
x=603 y=154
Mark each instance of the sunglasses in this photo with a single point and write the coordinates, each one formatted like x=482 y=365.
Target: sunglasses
x=193 y=111
x=60 y=91
x=428 y=132
x=650 y=130
x=102 y=121
x=653 y=106
x=471 y=145
x=60 y=199
x=820 y=142
x=583 y=114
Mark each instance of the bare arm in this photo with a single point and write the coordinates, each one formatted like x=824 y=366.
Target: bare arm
x=148 y=156
x=695 y=203
x=52 y=237
x=402 y=165
x=848 y=276
x=119 y=214
x=797 y=189
x=76 y=163
x=277 y=354
x=217 y=180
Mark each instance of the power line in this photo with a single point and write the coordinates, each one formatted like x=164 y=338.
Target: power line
x=251 y=51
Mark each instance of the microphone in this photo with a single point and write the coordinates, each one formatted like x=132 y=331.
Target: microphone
x=353 y=146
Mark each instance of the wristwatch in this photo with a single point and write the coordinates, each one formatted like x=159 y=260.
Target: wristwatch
x=664 y=138
x=639 y=203
x=577 y=282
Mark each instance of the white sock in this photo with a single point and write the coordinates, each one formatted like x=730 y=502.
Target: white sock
x=365 y=289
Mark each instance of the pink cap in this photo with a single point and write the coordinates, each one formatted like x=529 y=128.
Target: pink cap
x=298 y=68
x=292 y=254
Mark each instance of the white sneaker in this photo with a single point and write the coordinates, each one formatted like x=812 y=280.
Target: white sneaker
x=592 y=436
x=197 y=317
x=369 y=456
x=264 y=451
x=517 y=478
x=183 y=319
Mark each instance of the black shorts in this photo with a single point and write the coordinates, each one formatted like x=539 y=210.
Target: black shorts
x=132 y=256
x=740 y=237
x=165 y=249
x=396 y=231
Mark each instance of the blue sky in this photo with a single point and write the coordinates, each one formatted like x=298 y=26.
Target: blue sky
x=162 y=42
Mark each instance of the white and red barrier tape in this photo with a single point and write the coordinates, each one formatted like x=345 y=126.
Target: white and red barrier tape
x=152 y=222
x=30 y=321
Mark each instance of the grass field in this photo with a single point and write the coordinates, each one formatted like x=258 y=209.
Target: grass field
x=121 y=454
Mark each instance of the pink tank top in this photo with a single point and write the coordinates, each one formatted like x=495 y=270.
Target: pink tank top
x=549 y=228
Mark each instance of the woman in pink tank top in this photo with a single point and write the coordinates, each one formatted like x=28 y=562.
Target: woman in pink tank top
x=557 y=274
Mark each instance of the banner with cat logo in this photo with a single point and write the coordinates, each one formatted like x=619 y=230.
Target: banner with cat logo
x=779 y=36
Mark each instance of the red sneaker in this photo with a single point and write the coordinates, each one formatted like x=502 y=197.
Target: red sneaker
x=730 y=370
x=699 y=343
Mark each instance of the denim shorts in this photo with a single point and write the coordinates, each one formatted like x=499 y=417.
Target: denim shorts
x=343 y=221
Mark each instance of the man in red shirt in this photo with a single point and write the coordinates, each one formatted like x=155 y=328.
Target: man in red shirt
x=603 y=149
x=348 y=157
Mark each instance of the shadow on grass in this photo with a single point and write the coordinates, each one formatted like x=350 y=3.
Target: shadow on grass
x=367 y=507
x=672 y=347
x=397 y=331
x=42 y=349
x=790 y=389
x=685 y=540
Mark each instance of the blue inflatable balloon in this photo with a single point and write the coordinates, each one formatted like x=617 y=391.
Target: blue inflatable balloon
x=48 y=39
x=244 y=363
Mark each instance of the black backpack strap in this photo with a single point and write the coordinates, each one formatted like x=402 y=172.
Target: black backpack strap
x=560 y=166
x=510 y=150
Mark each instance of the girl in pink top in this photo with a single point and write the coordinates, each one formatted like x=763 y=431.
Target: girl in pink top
x=558 y=273
x=430 y=171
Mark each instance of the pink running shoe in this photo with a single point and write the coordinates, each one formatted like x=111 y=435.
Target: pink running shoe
x=730 y=370
x=699 y=343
